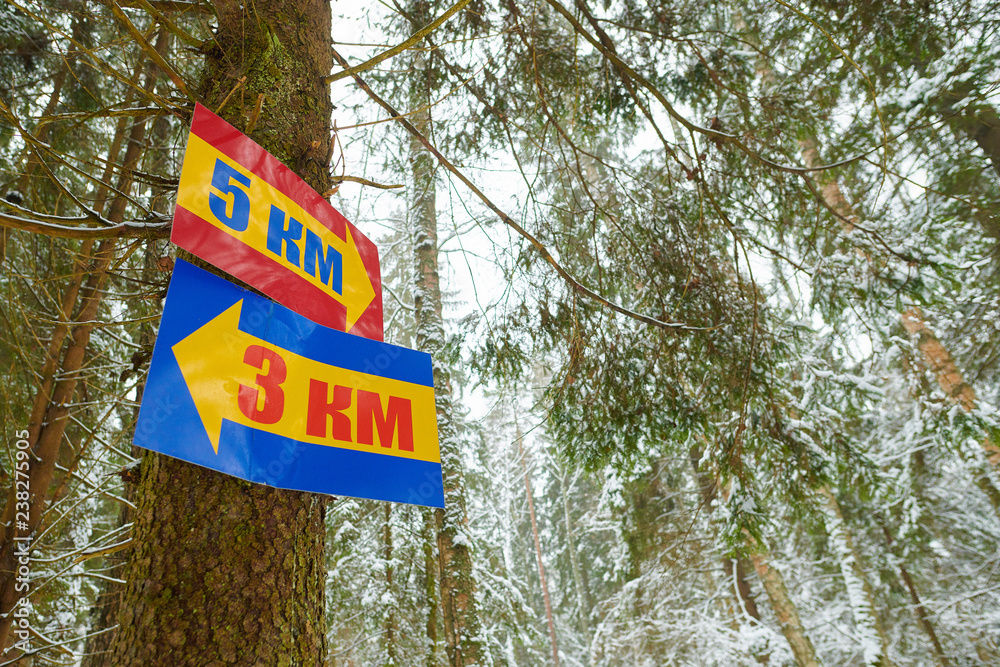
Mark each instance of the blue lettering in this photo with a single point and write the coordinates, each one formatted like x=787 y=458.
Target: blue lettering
x=232 y=208
x=279 y=234
x=329 y=265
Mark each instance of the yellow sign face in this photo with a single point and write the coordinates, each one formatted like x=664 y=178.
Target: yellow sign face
x=259 y=215
x=271 y=389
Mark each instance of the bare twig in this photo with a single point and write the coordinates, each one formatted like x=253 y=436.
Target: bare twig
x=399 y=48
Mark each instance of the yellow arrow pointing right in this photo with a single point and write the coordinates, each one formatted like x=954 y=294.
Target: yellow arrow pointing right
x=202 y=165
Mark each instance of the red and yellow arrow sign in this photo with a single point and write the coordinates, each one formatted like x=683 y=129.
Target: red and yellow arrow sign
x=239 y=208
x=235 y=376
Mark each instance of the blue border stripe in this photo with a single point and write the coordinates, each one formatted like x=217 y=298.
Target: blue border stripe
x=288 y=464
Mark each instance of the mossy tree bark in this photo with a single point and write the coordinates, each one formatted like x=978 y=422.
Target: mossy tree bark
x=222 y=571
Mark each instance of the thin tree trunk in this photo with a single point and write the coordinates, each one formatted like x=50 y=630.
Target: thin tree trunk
x=462 y=625
x=431 y=590
x=222 y=571
x=936 y=355
x=583 y=595
x=871 y=633
x=391 y=620
x=538 y=548
x=786 y=612
x=774 y=584
x=918 y=608
x=949 y=377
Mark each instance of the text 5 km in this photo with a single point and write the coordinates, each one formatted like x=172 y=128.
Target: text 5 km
x=287 y=239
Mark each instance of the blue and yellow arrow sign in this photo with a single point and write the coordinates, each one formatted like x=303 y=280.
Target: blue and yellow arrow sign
x=247 y=387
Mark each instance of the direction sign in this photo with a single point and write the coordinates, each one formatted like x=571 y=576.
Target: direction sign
x=242 y=385
x=242 y=210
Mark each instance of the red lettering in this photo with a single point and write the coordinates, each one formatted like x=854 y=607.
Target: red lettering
x=321 y=407
x=274 y=397
x=371 y=418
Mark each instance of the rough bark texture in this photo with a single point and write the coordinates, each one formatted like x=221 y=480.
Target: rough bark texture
x=221 y=572
x=224 y=572
x=462 y=629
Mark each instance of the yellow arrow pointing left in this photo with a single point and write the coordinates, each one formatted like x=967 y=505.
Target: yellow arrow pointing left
x=235 y=376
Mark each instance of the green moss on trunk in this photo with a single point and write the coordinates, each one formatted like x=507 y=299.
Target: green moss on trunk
x=223 y=572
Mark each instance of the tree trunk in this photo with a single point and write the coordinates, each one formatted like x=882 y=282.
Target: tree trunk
x=462 y=626
x=736 y=571
x=918 y=608
x=774 y=584
x=584 y=598
x=222 y=571
x=431 y=590
x=391 y=620
x=949 y=378
x=936 y=355
x=538 y=548
x=871 y=634
x=787 y=613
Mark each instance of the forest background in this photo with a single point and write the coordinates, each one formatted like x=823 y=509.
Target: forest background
x=711 y=290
